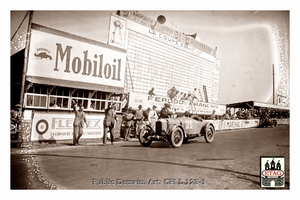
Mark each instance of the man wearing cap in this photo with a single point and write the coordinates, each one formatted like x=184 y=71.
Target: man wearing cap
x=128 y=122
x=139 y=116
x=165 y=112
x=78 y=123
x=109 y=122
x=153 y=116
x=15 y=118
x=15 y=115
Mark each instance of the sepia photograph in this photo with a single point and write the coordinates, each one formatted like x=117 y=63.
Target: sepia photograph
x=150 y=99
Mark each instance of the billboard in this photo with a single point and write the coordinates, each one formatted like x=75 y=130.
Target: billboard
x=47 y=126
x=117 y=32
x=167 y=34
x=74 y=59
x=177 y=105
x=159 y=56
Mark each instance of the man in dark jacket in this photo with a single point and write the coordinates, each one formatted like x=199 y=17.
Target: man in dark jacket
x=128 y=122
x=165 y=112
x=109 y=122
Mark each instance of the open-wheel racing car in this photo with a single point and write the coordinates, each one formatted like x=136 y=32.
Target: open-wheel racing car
x=177 y=131
x=267 y=122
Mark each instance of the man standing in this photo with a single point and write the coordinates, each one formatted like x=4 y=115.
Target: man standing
x=152 y=116
x=139 y=117
x=213 y=115
x=15 y=114
x=109 y=122
x=128 y=122
x=78 y=123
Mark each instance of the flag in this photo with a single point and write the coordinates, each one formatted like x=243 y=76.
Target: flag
x=172 y=92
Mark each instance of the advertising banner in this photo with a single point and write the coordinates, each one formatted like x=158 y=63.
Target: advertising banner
x=54 y=56
x=117 y=32
x=177 y=105
x=167 y=34
x=234 y=124
x=48 y=126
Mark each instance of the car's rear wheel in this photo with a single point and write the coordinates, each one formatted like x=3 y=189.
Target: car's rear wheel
x=177 y=137
x=209 y=134
x=144 y=136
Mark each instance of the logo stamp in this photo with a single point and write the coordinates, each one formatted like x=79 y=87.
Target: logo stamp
x=42 y=53
x=272 y=171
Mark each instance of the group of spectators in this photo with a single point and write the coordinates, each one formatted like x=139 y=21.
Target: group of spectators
x=131 y=118
x=245 y=113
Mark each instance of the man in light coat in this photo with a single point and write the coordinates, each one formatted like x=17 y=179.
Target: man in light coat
x=78 y=123
x=152 y=116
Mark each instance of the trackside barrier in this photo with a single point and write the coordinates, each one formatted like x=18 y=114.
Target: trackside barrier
x=240 y=123
x=283 y=121
x=46 y=127
x=234 y=124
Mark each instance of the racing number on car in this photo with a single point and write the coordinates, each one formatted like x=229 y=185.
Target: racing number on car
x=188 y=124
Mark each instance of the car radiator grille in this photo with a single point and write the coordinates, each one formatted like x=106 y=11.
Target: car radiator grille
x=158 y=127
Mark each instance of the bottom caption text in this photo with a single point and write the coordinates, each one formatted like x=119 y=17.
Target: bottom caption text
x=167 y=181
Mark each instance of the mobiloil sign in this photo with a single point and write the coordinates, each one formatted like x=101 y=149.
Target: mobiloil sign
x=85 y=66
x=57 y=55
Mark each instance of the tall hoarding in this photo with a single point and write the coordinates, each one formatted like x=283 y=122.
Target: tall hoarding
x=63 y=58
x=161 y=57
x=177 y=105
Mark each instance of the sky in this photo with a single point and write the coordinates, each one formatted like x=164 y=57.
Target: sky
x=249 y=42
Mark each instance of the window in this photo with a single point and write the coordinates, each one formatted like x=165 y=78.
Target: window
x=115 y=98
x=59 y=102
x=36 y=96
x=98 y=101
x=56 y=97
x=81 y=97
x=59 y=98
x=35 y=100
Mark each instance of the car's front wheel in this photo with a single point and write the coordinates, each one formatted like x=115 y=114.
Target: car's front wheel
x=209 y=134
x=177 y=137
x=144 y=136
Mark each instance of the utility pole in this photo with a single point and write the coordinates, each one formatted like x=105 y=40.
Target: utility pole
x=274 y=95
x=25 y=141
x=26 y=58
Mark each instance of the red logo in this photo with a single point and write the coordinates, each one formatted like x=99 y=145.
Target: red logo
x=272 y=173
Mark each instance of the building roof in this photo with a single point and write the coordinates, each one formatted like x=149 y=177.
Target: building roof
x=256 y=104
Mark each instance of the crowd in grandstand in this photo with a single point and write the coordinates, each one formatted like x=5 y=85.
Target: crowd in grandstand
x=244 y=113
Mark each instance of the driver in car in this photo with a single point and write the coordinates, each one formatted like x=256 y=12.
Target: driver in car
x=165 y=111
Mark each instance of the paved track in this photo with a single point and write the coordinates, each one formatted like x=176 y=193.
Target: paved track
x=231 y=161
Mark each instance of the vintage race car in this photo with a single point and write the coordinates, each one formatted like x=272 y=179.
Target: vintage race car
x=267 y=122
x=176 y=131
